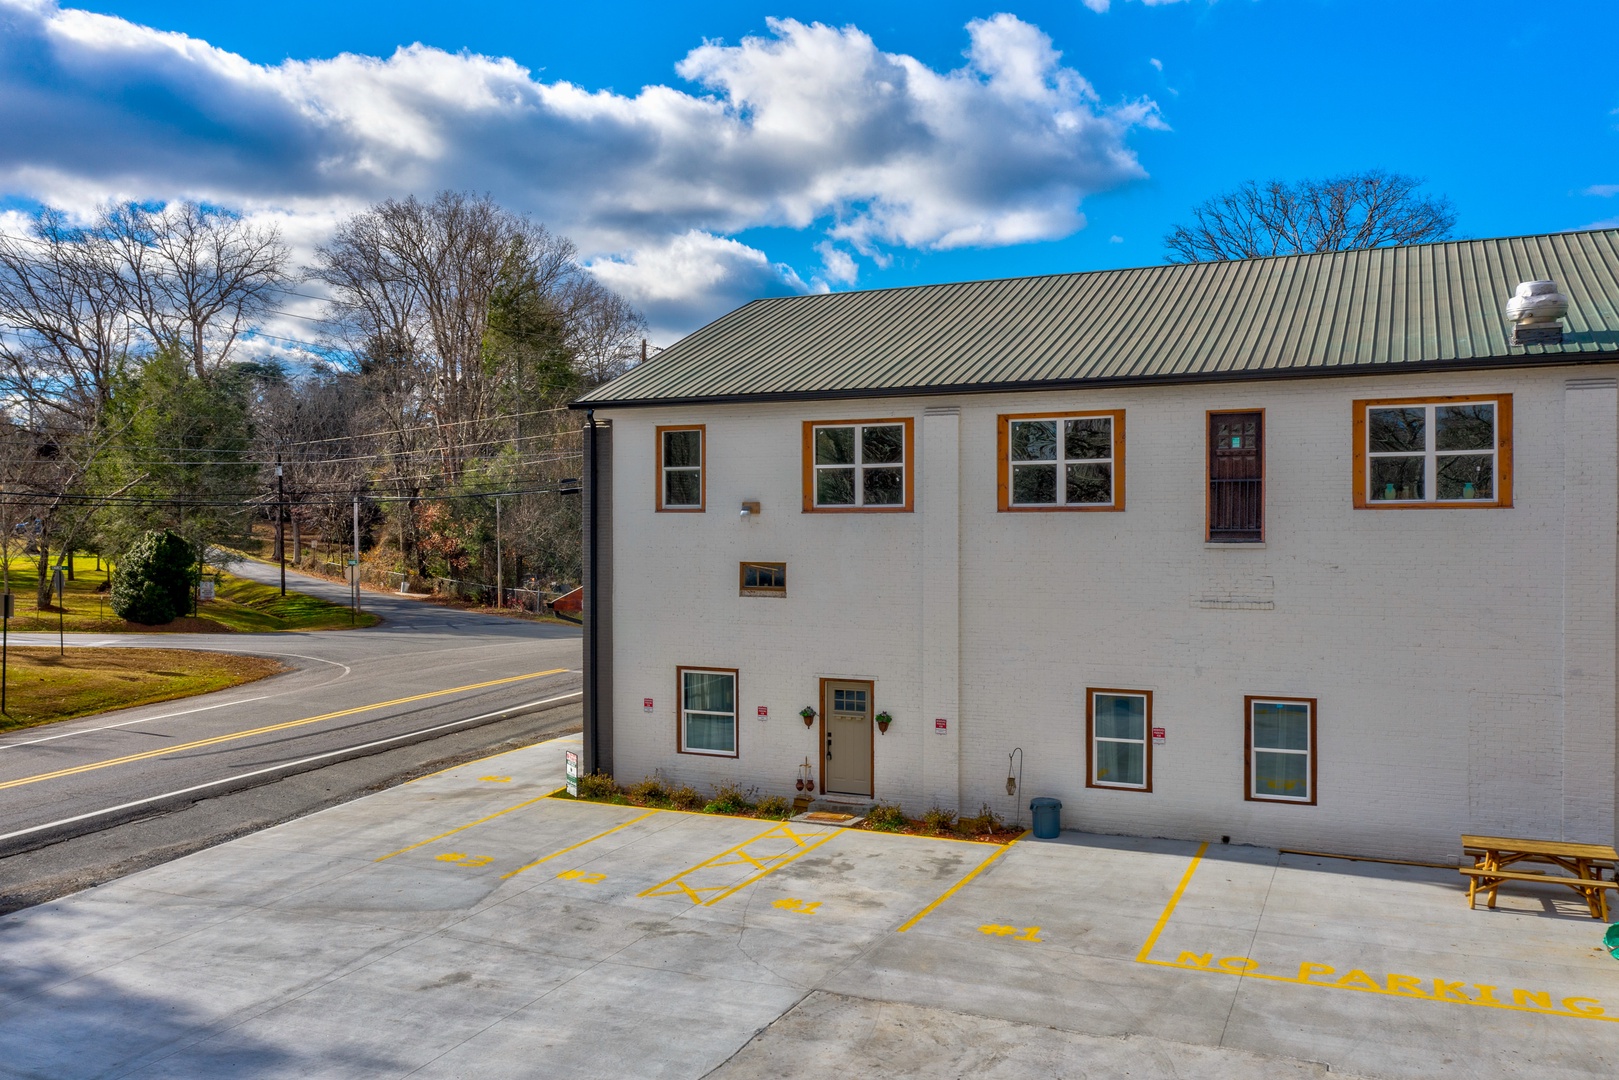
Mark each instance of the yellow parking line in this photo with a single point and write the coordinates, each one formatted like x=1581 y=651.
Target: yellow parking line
x=580 y=844
x=461 y=828
x=951 y=891
x=737 y=856
x=217 y=739
x=1169 y=909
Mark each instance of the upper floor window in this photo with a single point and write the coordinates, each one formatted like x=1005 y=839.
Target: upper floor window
x=858 y=465
x=680 y=467
x=1441 y=451
x=1236 y=492
x=1062 y=461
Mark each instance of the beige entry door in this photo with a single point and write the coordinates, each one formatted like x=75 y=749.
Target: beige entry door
x=847 y=713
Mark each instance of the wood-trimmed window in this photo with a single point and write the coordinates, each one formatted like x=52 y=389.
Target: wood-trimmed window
x=682 y=477
x=1279 y=750
x=706 y=711
x=1433 y=452
x=1061 y=461
x=865 y=466
x=763 y=579
x=1118 y=739
x=1235 y=497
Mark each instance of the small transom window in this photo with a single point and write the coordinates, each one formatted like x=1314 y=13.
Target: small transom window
x=764 y=579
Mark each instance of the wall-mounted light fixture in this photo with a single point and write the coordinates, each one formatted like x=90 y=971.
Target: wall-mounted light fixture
x=749 y=509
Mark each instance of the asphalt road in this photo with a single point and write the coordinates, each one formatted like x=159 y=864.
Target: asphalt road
x=426 y=672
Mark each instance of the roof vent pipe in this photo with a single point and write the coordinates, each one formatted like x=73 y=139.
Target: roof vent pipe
x=1534 y=311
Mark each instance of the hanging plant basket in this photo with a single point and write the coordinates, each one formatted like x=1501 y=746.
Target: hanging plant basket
x=883 y=720
x=808 y=713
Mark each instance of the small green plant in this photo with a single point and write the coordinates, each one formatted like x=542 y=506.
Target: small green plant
x=939 y=820
x=886 y=817
x=597 y=785
x=649 y=792
x=728 y=799
x=773 y=806
x=985 y=821
x=685 y=797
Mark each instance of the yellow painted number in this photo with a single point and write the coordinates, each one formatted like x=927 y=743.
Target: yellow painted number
x=582 y=876
x=460 y=858
x=1027 y=933
x=803 y=907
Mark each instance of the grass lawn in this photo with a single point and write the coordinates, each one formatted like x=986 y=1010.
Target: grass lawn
x=240 y=606
x=42 y=686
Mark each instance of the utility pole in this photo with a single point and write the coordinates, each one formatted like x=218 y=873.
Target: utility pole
x=500 y=581
x=280 y=529
x=354 y=607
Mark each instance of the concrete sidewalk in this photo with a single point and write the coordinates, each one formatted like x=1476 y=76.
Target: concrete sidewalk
x=465 y=925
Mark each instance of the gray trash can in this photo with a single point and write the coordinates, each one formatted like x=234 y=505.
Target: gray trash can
x=1047 y=818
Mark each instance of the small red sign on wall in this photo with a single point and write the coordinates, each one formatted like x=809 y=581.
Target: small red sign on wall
x=941 y=725
x=1158 y=735
x=646 y=704
x=764 y=712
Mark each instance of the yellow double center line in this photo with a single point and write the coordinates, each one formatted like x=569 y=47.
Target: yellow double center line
x=231 y=736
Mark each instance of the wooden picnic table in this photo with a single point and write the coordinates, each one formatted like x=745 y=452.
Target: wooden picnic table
x=1584 y=863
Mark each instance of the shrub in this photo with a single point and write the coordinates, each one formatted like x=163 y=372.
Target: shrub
x=729 y=799
x=650 y=791
x=153 y=581
x=939 y=820
x=886 y=817
x=685 y=797
x=985 y=821
x=598 y=785
x=774 y=806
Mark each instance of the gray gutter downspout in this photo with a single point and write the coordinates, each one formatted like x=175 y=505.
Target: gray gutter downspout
x=592 y=593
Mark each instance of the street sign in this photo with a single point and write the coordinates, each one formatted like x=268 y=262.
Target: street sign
x=58 y=581
x=207 y=588
x=10 y=606
x=571 y=772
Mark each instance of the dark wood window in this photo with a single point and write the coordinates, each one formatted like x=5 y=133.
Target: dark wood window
x=1236 y=477
x=764 y=579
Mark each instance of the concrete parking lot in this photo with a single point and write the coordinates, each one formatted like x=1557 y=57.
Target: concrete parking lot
x=466 y=925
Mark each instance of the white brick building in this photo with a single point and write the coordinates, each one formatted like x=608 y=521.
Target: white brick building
x=1352 y=550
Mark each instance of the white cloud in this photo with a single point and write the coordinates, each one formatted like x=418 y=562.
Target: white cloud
x=1101 y=6
x=1155 y=62
x=837 y=265
x=1603 y=190
x=1115 y=239
x=809 y=127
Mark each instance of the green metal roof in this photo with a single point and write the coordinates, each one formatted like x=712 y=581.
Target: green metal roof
x=1350 y=312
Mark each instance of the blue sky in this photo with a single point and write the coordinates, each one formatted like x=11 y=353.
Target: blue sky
x=705 y=153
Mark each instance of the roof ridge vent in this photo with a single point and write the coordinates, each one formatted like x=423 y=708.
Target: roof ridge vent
x=1535 y=311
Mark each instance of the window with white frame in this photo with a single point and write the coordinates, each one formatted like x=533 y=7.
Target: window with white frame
x=1118 y=732
x=1062 y=461
x=858 y=466
x=1452 y=451
x=1281 y=749
x=708 y=711
x=680 y=468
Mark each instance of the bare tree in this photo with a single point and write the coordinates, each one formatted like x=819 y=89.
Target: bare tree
x=65 y=334
x=194 y=278
x=1359 y=210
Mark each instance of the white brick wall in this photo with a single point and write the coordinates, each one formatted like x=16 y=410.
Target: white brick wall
x=1434 y=640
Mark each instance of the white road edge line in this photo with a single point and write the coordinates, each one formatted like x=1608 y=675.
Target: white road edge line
x=275 y=768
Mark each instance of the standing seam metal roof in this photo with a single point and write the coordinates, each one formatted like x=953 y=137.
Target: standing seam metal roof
x=1375 y=310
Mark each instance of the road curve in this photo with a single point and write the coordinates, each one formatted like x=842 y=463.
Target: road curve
x=425 y=671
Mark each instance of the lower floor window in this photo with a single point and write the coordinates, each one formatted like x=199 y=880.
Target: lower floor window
x=1281 y=749
x=1118 y=749
x=708 y=711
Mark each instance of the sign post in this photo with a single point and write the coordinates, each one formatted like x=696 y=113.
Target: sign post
x=571 y=772
x=59 y=583
x=5 y=630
